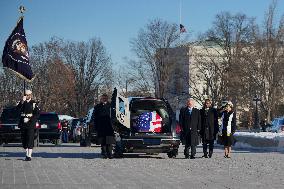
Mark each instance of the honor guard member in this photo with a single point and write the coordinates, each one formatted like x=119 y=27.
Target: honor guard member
x=29 y=114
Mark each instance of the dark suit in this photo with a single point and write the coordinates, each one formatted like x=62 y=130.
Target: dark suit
x=190 y=122
x=30 y=112
x=103 y=126
x=209 y=129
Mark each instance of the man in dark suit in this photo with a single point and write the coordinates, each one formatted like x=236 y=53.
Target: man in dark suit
x=209 y=127
x=189 y=119
x=103 y=126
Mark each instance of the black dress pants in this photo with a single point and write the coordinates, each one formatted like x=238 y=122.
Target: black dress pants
x=187 y=147
x=106 y=147
x=205 y=144
x=27 y=135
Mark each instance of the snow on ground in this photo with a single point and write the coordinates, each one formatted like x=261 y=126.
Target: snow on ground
x=267 y=135
x=260 y=141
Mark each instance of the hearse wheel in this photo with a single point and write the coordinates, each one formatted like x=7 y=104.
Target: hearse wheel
x=172 y=154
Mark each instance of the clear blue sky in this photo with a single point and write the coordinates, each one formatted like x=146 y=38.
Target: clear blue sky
x=115 y=22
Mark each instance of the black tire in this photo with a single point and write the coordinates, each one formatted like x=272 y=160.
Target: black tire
x=36 y=140
x=58 y=142
x=173 y=154
x=170 y=155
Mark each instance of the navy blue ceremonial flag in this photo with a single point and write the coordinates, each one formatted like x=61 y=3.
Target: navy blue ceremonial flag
x=16 y=55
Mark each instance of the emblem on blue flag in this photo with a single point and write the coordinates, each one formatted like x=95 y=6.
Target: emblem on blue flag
x=16 y=55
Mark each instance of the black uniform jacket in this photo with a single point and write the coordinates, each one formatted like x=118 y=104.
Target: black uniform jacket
x=190 y=124
x=30 y=111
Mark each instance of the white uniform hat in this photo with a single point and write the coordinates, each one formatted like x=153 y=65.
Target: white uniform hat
x=28 y=92
x=229 y=103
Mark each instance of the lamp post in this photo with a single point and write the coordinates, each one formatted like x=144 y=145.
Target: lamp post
x=256 y=117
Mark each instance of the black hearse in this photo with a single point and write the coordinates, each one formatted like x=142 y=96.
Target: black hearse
x=145 y=125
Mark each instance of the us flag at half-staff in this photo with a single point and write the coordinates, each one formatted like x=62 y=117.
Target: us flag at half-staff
x=16 y=55
x=182 y=28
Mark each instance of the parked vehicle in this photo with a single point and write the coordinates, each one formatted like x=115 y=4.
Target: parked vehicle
x=50 y=127
x=145 y=125
x=77 y=131
x=73 y=124
x=9 y=130
x=88 y=135
x=277 y=125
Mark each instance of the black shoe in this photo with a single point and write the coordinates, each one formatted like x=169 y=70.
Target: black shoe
x=28 y=158
x=186 y=156
x=210 y=154
x=192 y=157
x=205 y=156
x=117 y=155
x=110 y=157
x=104 y=156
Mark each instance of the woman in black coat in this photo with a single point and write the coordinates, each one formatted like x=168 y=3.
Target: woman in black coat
x=228 y=128
x=103 y=126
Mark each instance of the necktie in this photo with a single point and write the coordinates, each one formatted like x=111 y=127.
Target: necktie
x=189 y=111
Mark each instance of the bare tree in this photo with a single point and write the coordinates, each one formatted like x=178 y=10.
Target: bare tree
x=151 y=46
x=92 y=68
x=217 y=57
x=11 y=88
x=265 y=62
x=131 y=79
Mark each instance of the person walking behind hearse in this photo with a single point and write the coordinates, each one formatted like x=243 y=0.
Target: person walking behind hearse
x=29 y=114
x=209 y=127
x=103 y=126
x=190 y=122
x=228 y=128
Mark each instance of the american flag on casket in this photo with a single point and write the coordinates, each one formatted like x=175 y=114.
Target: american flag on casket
x=148 y=122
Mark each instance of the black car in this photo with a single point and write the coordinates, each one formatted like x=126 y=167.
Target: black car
x=145 y=125
x=50 y=127
x=9 y=130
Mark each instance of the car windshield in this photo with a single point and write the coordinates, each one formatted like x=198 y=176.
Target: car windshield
x=48 y=118
x=150 y=115
x=277 y=121
x=274 y=122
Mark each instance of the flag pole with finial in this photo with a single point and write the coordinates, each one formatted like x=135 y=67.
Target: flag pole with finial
x=22 y=10
x=179 y=21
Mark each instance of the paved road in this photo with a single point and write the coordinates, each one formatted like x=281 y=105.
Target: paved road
x=71 y=166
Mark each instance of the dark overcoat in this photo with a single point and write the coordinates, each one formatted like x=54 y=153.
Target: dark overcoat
x=190 y=124
x=102 y=121
x=209 y=124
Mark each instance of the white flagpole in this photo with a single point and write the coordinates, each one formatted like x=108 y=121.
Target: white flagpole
x=179 y=22
x=180 y=12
